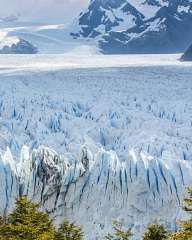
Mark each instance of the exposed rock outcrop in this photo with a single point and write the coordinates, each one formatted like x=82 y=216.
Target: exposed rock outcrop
x=21 y=47
x=187 y=56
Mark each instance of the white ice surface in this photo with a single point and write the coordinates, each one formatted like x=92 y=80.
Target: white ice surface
x=85 y=56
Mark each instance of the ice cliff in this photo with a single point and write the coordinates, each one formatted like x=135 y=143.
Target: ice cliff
x=98 y=187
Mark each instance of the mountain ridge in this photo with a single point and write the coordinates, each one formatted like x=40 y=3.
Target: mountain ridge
x=137 y=26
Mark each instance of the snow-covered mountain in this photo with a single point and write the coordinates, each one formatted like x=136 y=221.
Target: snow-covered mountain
x=97 y=145
x=112 y=26
x=137 y=26
x=47 y=38
x=13 y=45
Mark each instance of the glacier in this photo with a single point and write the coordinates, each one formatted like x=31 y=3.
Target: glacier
x=97 y=144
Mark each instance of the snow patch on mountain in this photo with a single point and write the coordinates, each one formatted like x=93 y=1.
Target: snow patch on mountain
x=7 y=41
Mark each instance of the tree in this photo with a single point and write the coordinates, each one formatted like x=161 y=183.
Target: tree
x=69 y=231
x=2 y=228
x=119 y=233
x=185 y=232
x=155 y=232
x=27 y=223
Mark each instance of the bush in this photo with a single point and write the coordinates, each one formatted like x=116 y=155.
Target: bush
x=155 y=232
x=27 y=223
x=119 y=233
x=185 y=232
x=69 y=231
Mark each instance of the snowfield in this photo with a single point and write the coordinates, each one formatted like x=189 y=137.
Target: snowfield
x=86 y=56
x=97 y=138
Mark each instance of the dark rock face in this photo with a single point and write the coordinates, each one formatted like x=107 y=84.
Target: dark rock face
x=150 y=26
x=187 y=56
x=22 y=47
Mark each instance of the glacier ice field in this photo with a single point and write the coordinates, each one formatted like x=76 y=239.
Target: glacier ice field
x=97 y=144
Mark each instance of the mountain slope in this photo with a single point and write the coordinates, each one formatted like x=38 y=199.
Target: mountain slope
x=187 y=56
x=152 y=26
